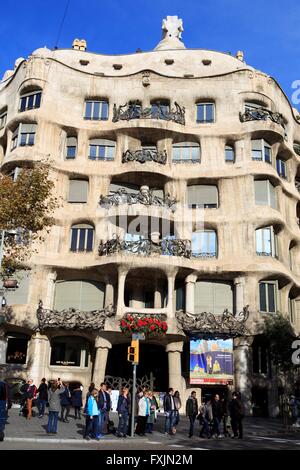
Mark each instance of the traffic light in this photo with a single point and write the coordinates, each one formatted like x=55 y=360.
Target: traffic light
x=133 y=351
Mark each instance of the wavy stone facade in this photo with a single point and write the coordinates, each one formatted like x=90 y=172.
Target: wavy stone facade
x=182 y=77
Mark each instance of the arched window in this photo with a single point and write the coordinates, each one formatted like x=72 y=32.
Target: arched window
x=71 y=148
x=71 y=351
x=30 y=100
x=186 y=152
x=261 y=150
x=96 y=110
x=101 y=149
x=204 y=244
x=82 y=237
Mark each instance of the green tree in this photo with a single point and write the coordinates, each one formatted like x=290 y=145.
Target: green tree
x=280 y=336
x=26 y=208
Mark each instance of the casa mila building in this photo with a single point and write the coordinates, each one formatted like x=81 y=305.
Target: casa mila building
x=177 y=173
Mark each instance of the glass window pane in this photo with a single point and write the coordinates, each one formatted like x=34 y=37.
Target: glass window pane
x=212 y=243
x=30 y=102
x=31 y=139
x=88 y=110
x=74 y=239
x=23 y=104
x=71 y=152
x=38 y=100
x=229 y=154
x=101 y=151
x=271 y=297
x=185 y=153
x=278 y=166
x=200 y=112
x=104 y=110
x=96 y=111
x=176 y=153
x=268 y=154
x=262 y=297
x=256 y=154
x=110 y=153
x=209 y=113
x=90 y=234
x=259 y=244
x=23 y=139
x=82 y=237
x=93 y=152
x=196 y=153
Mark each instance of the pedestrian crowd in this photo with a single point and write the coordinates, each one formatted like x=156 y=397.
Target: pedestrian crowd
x=217 y=417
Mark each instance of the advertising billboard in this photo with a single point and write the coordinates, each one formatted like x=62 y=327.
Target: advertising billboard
x=211 y=361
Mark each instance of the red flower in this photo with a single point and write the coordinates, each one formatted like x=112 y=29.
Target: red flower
x=152 y=327
x=123 y=323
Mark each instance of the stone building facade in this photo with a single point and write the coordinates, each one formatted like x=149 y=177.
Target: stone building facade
x=177 y=175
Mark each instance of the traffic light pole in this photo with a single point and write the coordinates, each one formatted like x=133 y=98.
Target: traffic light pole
x=133 y=400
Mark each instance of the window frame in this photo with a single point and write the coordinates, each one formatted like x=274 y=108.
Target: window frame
x=67 y=147
x=269 y=196
x=26 y=97
x=3 y=118
x=276 y=293
x=190 y=146
x=82 y=236
x=106 y=146
x=273 y=242
x=96 y=116
x=281 y=164
x=207 y=235
x=263 y=146
x=16 y=139
x=205 y=104
x=229 y=147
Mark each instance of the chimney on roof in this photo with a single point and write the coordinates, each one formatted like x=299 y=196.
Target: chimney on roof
x=79 y=45
x=240 y=56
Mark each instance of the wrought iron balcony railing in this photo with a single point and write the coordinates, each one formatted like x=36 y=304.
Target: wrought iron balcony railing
x=145 y=196
x=262 y=114
x=73 y=319
x=226 y=323
x=127 y=112
x=146 y=247
x=145 y=155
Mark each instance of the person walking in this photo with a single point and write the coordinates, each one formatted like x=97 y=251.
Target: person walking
x=54 y=406
x=65 y=401
x=76 y=398
x=104 y=404
x=143 y=413
x=206 y=418
x=192 y=411
x=42 y=397
x=177 y=401
x=169 y=410
x=217 y=415
x=153 y=412
x=236 y=415
x=92 y=417
x=29 y=393
x=4 y=405
x=123 y=412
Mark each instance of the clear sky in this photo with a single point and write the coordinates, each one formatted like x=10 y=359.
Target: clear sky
x=268 y=31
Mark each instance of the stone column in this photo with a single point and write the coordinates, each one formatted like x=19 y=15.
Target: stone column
x=190 y=293
x=49 y=301
x=121 y=289
x=109 y=294
x=38 y=356
x=171 y=286
x=239 y=283
x=3 y=347
x=137 y=296
x=102 y=347
x=241 y=371
x=174 y=351
x=158 y=296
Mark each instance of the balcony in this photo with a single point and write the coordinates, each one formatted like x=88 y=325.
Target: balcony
x=262 y=114
x=146 y=247
x=73 y=319
x=128 y=112
x=145 y=155
x=145 y=197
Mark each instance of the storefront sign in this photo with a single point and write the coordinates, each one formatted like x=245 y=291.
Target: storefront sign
x=211 y=361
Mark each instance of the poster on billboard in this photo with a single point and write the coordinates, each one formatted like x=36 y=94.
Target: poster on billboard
x=211 y=361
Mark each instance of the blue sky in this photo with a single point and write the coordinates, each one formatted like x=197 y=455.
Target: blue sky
x=268 y=31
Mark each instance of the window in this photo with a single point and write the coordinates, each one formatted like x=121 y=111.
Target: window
x=213 y=297
x=266 y=242
x=292 y=311
x=260 y=356
x=267 y=296
x=204 y=244
x=160 y=109
x=19 y=296
x=69 y=351
x=16 y=351
x=229 y=154
x=78 y=191
x=281 y=168
x=82 y=237
x=261 y=151
x=71 y=147
x=265 y=194
x=96 y=110
x=24 y=135
x=102 y=149
x=186 y=152
x=82 y=295
x=205 y=112
x=202 y=195
x=3 y=118
x=30 y=101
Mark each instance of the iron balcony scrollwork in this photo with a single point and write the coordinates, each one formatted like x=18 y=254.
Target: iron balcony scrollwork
x=127 y=112
x=145 y=197
x=146 y=247
x=145 y=155
x=208 y=323
x=262 y=114
x=73 y=319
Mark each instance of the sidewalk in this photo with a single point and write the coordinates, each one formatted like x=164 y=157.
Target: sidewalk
x=18 y=428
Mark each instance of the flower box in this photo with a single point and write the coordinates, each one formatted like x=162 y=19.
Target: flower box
x=150 y=325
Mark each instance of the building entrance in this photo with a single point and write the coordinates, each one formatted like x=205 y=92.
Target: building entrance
x=152 y=370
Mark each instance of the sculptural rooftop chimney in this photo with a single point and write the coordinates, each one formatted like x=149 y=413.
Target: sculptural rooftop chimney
x=172 y=28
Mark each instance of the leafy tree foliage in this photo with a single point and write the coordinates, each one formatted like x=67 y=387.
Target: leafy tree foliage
x=280 y=336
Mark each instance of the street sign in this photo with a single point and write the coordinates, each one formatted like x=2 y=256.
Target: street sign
x=139 y=336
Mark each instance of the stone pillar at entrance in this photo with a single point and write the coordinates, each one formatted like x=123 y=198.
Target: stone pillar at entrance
x=38 y=349
x=190 y=293
x=241 y=371
x=102 y=347
x=174 y=351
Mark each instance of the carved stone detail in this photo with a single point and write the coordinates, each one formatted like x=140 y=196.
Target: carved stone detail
x=145 y=155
